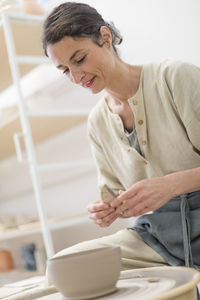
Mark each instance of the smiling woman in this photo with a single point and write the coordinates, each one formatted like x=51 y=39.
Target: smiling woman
x=144 y=136
x=79 y=47
x=81 y=60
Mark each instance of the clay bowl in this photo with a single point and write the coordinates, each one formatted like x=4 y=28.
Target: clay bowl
x=86 y=274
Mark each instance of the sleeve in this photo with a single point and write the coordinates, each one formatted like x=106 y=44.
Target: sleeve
x=104 y=169
x=184 y=83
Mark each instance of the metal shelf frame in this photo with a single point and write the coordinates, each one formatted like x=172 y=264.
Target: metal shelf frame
x=35 y=169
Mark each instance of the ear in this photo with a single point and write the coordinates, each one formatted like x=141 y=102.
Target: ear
x=106 y=36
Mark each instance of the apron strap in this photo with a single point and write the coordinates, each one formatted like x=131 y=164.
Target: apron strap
x=185 y=210
x=185 y=219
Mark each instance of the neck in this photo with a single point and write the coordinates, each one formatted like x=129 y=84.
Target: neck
x=124 y=81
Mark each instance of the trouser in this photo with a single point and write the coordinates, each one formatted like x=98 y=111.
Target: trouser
x=135 y=253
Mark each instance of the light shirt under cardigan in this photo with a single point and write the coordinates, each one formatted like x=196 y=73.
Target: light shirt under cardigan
x=166 y=110
x=133 y=140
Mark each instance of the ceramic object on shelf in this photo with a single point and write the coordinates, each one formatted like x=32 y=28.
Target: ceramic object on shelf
x=33 y=7
x=28 y=257
x=6 y=260
x=86 y=274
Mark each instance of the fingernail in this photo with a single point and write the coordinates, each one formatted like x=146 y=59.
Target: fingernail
x=99 y=221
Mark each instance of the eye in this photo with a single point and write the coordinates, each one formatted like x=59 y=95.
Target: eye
x=81 y=60
x=66 y=70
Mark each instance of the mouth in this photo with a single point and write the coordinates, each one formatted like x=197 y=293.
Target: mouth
x=88 y=83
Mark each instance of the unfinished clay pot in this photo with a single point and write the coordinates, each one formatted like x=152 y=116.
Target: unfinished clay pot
x=86 y=274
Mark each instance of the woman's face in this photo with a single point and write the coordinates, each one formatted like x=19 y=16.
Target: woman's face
x=84 y=62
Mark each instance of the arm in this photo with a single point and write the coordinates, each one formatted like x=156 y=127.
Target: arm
x=100 y=211
x=185 y=181
x=151 y=194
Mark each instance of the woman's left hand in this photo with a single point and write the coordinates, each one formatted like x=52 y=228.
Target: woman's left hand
x=144 y=196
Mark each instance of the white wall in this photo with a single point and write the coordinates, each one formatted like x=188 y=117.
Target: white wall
x=153 y=30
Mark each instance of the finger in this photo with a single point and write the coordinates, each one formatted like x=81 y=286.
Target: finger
x=106 y=219
x=126 y=205
x=121 y=192
x=126 y=195
x=101 y=214
x=108 y=222
x=94 y=207
x=109 y=217
x=113 y=219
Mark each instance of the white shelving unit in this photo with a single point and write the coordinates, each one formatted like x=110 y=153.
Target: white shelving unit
x=53 y=225
x=16 y=61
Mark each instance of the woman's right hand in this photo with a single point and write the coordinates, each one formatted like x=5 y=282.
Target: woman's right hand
x=102 y=213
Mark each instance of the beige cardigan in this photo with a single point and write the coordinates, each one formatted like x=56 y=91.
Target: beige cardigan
x=166 y=109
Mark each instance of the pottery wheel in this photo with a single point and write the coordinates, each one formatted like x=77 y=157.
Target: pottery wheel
x=140 y=288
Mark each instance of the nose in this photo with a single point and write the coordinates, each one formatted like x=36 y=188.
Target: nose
x=76 y=76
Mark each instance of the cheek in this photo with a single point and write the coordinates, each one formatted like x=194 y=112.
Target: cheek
x=99 y=63
x=104 y=68
x=106 y=71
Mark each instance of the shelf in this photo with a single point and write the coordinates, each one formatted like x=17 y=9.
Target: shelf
x=16 y=275
x=34 y=227
x=23 y=40
x=60 y=113
x=42 y=129
x=65 y=165
x=21 y=35
x=30 y=53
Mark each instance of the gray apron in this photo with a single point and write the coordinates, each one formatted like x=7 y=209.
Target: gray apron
x=174 y=230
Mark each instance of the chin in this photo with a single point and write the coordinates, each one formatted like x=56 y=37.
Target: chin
x=96 y=90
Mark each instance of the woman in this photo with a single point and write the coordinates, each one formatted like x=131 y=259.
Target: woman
x=144 y=136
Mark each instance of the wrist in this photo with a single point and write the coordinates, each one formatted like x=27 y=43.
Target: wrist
x=173 y=185
x=186 y=181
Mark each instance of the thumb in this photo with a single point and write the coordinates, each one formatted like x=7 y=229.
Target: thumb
x=121 y=192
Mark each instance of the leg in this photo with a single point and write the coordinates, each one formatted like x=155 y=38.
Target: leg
x=135 y=252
